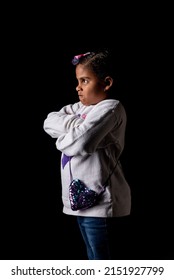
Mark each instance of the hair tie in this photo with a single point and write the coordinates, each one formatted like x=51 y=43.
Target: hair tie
x=77 y=57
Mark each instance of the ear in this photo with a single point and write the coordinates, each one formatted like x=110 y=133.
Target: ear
x=108 y=82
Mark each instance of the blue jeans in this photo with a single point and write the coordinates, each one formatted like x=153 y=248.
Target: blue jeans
x=95 y=232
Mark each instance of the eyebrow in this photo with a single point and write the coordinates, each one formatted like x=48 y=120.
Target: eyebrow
x=83 y=77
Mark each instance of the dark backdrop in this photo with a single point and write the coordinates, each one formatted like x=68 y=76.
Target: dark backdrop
x=40 y=79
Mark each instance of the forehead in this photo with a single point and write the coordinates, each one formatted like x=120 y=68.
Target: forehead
x=84 y=71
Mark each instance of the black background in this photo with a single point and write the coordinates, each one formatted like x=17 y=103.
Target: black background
x=39 y=78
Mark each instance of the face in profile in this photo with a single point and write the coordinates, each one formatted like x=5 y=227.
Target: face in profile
x=90 y=88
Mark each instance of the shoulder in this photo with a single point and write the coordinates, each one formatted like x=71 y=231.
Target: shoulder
x=108 y=105
x=113 y=107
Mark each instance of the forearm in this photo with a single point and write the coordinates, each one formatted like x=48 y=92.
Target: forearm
x=57 y=124
x=87 y=137
x=61 y=122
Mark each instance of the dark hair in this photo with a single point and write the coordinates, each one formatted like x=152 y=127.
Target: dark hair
x=100 y=63
x=103 y=63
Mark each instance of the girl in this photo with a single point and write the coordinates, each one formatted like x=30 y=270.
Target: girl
x=90 y=134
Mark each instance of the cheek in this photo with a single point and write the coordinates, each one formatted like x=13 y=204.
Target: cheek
x=97 y=90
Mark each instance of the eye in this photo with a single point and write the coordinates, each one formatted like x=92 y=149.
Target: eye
x=84 y=81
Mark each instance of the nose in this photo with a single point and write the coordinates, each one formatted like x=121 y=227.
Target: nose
x=78 y=87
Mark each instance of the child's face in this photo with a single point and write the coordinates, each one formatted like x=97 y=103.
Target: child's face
x=90 y=88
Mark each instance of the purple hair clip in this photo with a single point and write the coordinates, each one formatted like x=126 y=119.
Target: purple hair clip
x=77 y=57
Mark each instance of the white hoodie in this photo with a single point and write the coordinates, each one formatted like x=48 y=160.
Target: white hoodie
x=93 y=136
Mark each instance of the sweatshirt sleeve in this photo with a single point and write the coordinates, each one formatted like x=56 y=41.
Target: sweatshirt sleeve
x=85 y=138
x=58 y=123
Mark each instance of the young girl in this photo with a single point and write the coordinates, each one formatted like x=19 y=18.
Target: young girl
x=91 y=134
